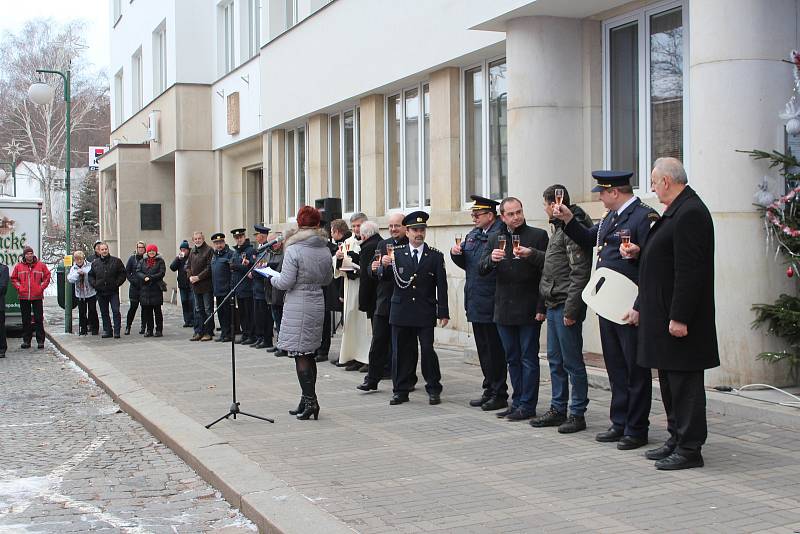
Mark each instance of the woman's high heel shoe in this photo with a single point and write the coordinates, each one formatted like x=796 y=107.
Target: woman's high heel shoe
x=301 y=406
x=311 y=408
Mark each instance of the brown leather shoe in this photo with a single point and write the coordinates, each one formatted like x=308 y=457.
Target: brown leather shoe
x=206 y=337
x=196 y=337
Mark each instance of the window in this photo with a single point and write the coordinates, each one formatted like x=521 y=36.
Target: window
x=160 y=59
x=254 y=10
x=296 y=182
x=408 y=148
x=119 y=98
x=484 y=131
x=644 y=55
x=344 y=165
x=150 y=216
x=291 y=13
x=137 y=86
x=228 y=48
x=254 y=197
x=116 y=11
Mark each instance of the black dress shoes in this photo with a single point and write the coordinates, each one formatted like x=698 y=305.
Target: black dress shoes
x=398 y=399
x=479 y=402
x=628 y=443
x=25 y=345
x=494 y=404
x=272 y=349
x=676 y=461
x=434 y=399
x=505 y=412
x=520 y=415
x=659 y=453
x=609 y=435
x=106 y=335
x=367 y=386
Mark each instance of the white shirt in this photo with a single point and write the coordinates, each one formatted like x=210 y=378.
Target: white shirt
x=419 y=249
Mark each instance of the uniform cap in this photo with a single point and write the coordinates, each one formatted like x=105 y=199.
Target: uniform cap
x=416 y=219
x=608 y=179
x=483 y=203
x=219 y=236
x=260 y=228
x=237 y=232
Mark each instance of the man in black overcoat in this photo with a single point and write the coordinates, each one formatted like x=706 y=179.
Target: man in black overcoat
x=677 y=327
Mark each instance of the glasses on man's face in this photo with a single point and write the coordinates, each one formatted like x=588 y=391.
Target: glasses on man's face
x=477 y=214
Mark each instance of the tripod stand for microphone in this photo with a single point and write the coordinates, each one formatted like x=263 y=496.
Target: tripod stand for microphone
x=234 y=409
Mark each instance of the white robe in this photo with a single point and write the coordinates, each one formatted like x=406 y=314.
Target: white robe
x=357 y=330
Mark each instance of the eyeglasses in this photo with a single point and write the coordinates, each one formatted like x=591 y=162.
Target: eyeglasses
x=476 y=214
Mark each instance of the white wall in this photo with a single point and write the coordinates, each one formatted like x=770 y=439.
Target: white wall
x=249 y=105
x=368 y=44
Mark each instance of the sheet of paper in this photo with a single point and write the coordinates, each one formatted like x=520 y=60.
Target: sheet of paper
x=267 y=271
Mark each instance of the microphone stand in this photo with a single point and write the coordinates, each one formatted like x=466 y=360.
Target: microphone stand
x=234 y=409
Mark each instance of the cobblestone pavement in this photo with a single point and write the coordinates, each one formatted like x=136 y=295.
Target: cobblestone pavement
x=72 y=462
x=451 y=468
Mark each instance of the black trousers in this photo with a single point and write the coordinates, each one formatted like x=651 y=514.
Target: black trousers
x=493 y=360
x=134 y=305
x=87 y=315
x=152 y=316
x=244 y=316
x=380 y=349
x=3 y=340
x=405 y=355
x=325 y=348
x=684 y=401
x=264 y=326
x=631 y=385
x=224 y=315
x=28 y=328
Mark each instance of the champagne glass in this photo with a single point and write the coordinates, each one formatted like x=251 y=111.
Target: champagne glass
x=501 y=242
x=390 y=252
x=458 y=239
x=625 y=238
x=559 y=194
x=515 y=245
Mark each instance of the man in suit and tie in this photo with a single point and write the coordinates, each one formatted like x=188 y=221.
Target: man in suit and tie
x=631 y=384
x=419 y=298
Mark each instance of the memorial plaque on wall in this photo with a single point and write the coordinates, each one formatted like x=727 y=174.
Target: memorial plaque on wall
x=150 y=216
x=233 y=113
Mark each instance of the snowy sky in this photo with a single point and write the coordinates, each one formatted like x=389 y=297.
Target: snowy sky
x=16 y=12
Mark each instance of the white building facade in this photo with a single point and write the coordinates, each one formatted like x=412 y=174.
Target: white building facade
x=234 y=112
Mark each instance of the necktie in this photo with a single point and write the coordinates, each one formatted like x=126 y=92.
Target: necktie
x=416 y=257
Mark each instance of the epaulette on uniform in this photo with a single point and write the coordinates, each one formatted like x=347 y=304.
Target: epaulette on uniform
x=651 y=213
x=434 y=249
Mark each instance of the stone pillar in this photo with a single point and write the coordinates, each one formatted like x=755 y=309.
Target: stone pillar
x=317 y=157
x=278 y=175
x=545 y=107
x=194 y=192
x=737 y=87
x=445 y=141
x=373 y=183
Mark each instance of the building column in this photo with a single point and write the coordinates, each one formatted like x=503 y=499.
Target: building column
x=445 y=141
x=545 y=107
x=737 y=86
x=373 y=183
x=317 y=157
x=278 y=196
x=194 y=192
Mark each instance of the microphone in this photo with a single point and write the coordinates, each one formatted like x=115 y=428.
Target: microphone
x=269 y=244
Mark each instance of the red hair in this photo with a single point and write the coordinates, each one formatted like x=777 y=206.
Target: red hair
x=308 y=217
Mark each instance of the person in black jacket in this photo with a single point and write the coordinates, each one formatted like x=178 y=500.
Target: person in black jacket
x=150 y=272
x=221 y=282
x=516 y=303
x=334 y=292
x=134 y=287
x=274 y=296
x=107 y=275
x=184 y=287
x=677 y=330
x=479 y=304
x=243 y=258
x=4 y=278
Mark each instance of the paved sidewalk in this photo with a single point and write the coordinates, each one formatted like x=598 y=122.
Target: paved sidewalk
x=417 y=468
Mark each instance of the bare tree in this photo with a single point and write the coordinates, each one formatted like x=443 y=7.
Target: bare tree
x=40 y=131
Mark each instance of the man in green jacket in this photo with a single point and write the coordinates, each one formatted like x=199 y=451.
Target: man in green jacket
x=567 y=269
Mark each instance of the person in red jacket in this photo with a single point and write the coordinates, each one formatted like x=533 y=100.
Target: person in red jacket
x=30 y=278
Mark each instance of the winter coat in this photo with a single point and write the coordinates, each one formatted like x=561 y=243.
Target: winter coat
x=246 y=250
x=179 y=265
x=30 y=279
x=567 y=269
x=79 y=276
x=221 y=271
x=478 y=290
x=199 y=264
x=151 y=292
x=368 y=285
x=306 y=268
x=130 y=271
x=274 y=296
x=107 y=275
x=676 y=282
x=4 y=279
x=516 y=298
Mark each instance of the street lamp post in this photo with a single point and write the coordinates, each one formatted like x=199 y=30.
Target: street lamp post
x=13 y=165
x=42 y=94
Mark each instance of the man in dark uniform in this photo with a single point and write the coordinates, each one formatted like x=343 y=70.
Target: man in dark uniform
x=241 y=263
x=479 y=304
x=420 y=297
x=631 y=385
x=221 y=283
x=262 y=318
x=380 y=350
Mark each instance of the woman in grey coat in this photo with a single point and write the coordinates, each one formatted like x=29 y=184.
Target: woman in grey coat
x=306 y=268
